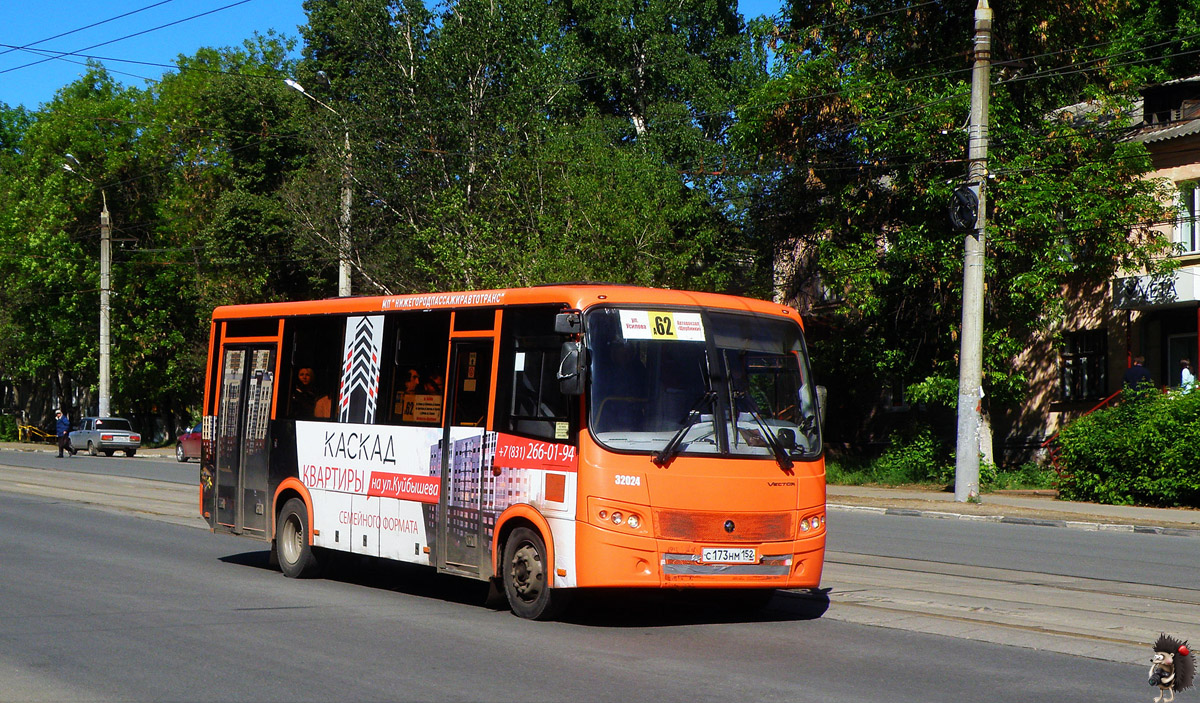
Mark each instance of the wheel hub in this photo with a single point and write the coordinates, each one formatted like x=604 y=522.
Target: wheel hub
x=527 y=572
x=292 y=545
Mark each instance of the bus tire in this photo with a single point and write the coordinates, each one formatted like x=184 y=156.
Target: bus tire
x=527 y=580
x=294 y=553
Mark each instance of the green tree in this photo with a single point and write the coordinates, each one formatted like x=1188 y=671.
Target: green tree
x=494 y=159
x=192 y=171
x=866 y=117
x=222 y=132
x=50 y=229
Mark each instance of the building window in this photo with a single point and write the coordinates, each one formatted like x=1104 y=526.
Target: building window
x=1084 y=365
x=1186 y=224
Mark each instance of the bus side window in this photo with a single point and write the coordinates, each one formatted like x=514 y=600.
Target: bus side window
x=311 y=369
x=530 y=403
x=415 y=349
x=472 y=381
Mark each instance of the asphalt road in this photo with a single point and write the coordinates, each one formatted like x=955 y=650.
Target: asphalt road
x=101 y=606
x=912 y=607
x=1103 y=595
x=153 y=465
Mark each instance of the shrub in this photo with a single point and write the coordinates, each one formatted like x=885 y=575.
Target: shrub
x=1145 y=450
x=8 y=429
x=916 y=458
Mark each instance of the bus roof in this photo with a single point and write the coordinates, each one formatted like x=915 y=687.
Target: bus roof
x=576 y=296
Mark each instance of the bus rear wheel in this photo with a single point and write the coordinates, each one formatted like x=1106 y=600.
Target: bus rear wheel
x=527 y=580
x=295 y=554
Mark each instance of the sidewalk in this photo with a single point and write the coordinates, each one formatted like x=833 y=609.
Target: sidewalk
x=1018 y=507
x=47 y=447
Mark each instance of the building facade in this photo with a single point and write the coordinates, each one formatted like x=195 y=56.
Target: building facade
x=1155 y=317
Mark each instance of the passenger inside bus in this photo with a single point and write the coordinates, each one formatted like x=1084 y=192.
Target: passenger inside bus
x=307 y=401
x=417 y=401
x=435 y=383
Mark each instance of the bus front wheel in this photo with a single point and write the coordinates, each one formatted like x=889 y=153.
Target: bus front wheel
x=527 y=577
x=295 y=554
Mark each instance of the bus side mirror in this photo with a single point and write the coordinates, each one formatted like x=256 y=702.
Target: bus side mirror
x=571 y=368
x=568 y=323
x=822 y=394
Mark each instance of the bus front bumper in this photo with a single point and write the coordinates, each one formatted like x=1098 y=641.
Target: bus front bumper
x=607 y=558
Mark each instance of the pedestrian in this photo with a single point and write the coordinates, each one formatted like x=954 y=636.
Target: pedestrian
x=62 y=429
x=1137 y=378
x=1186 y=379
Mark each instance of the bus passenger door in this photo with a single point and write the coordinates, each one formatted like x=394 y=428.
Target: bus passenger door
x=243 y=419
x=461 y=530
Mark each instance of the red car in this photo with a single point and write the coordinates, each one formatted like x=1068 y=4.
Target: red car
x=187 y=445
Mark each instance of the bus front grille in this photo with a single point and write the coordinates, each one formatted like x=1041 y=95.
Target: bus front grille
x=694 y=526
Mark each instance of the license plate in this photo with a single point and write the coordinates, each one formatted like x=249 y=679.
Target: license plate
x=724 y=555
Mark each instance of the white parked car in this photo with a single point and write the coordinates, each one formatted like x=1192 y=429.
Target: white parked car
x=106 y=434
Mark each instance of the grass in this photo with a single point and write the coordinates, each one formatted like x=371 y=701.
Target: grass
x=853 y=471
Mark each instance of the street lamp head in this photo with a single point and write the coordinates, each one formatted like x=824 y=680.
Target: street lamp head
x=323 y=78
x=294 y=85
x=72 y=169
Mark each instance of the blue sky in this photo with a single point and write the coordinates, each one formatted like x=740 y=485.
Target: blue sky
x=164 y=29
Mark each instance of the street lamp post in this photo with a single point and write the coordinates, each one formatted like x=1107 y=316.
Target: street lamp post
x=970 y=360
x=344 y=216
x=105 y=292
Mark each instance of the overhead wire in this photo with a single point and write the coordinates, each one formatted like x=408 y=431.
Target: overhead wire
x=731 y=108
x=122 y=38
x=60 y=35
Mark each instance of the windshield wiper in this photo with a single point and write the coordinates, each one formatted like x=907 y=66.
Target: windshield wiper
x=673 y=447
x=785 y=461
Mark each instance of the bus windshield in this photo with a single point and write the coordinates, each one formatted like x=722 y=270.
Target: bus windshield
x=701 y=383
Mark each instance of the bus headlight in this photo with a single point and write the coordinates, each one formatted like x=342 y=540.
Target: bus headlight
x=624 y=517
x=811 y=524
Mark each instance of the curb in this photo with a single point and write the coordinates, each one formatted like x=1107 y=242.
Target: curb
x=1037 y=522
x=156 y=452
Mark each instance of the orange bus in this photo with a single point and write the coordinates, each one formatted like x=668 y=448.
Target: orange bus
x=547 y=439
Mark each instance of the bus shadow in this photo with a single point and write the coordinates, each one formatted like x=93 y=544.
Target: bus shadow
x=612 y=608
x=639 y=608
x=385 y=575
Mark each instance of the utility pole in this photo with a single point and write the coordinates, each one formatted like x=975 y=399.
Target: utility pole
x=970 y=358
x=344 y=220
x=105 y=288
x=105 y=308
x=347 y=178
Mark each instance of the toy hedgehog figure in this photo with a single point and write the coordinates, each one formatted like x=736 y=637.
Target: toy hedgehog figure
x=1172 y=668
